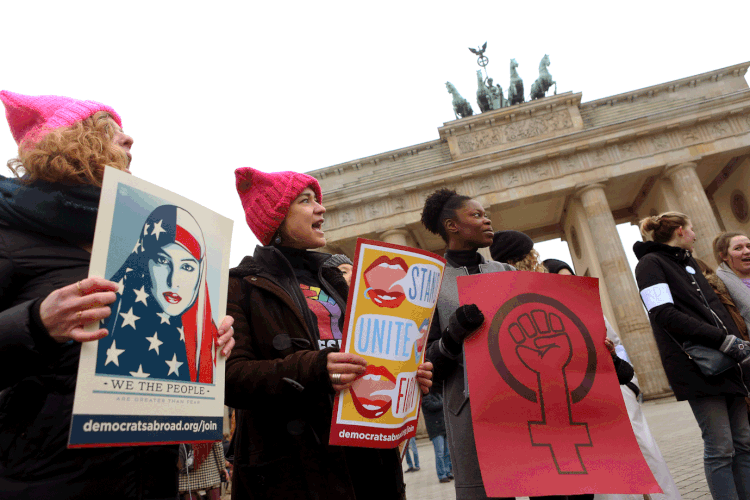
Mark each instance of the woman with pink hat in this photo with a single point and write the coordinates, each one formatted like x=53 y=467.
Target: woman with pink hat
x=286 y=368
x=47 y=219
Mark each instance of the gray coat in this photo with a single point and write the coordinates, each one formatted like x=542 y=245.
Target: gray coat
x=450 y=370
x=738 y=290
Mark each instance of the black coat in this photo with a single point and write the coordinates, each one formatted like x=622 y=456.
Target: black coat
x=675 y=307
x=37 y=380
x=278 y=383
x=432 y=409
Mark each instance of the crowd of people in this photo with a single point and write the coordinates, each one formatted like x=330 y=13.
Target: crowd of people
x=282 y=335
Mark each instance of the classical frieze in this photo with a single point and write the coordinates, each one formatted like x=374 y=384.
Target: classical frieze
x=520 y=130
x=551 y=166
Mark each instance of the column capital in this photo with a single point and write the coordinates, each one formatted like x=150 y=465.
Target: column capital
x=392 y=232
x=398 y=236
x=581 y=189
x=673 y=169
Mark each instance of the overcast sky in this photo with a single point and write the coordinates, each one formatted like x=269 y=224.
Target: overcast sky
x=206 y=87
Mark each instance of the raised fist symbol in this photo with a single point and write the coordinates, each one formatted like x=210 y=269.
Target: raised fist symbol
x=544 y=347
x=541 y=342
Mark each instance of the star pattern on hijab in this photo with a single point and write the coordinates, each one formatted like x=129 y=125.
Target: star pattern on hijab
x=149 y=338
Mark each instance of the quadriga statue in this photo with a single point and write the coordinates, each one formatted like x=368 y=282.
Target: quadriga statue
x=461 y=107
x=515 y=90
x=544 y=82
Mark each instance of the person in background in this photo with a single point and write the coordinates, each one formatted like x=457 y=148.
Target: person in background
x=732 y=253
x=683 y=308
x=205 y=473
x=411 y=451
x=47 y=220
x=286 y=368
x=555 y=266
x=516 y=249
x=630 y=393
x=432 y=409
x=343 y=263
x=722 y=292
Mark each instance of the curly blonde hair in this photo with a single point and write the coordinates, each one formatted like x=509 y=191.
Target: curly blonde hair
x=75 y=154
x=530 y=262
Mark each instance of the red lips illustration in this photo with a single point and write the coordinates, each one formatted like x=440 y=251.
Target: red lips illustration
x=380 y=277
x=376 y=378
x=172 y=298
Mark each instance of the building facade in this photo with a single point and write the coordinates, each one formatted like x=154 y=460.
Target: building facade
x=557 y=167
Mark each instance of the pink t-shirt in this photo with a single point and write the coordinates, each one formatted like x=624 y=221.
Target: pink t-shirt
x=746 y=281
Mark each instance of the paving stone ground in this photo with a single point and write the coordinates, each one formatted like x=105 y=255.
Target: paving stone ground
x=671 y=422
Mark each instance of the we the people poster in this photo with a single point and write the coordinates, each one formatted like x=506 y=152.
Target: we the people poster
x=391 y=302
x=157 y=376
x=546 y=405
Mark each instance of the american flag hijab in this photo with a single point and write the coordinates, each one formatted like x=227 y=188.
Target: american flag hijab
x=161 y=325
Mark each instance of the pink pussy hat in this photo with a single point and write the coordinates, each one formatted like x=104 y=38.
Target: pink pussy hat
x=32 y=117
x=266 y=198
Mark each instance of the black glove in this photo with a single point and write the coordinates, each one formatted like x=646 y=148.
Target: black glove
x=736 y=348
x=462 y=323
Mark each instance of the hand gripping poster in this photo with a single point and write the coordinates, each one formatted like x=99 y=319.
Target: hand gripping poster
x=391 y=302
x=546 y=405
x=157 y=376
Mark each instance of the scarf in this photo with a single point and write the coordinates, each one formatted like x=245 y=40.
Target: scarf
x=64 y=211
x=737 y=290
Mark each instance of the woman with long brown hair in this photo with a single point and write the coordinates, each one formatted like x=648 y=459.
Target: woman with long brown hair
x=732 y=253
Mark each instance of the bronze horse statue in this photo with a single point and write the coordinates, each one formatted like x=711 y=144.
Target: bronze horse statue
x=544 y=82
x=515 y=89
x=461 y=107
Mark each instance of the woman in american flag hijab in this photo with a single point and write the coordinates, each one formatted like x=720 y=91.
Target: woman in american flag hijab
x=161 y=325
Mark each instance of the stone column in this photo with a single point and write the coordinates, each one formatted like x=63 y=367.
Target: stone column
x=671 y=201
x=635 y=329
x=693 y=198
x=396 y=237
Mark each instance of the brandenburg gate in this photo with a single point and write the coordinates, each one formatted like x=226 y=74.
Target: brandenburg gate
x=557 y=167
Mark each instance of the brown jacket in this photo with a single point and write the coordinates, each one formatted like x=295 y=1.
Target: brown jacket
x=277 y=380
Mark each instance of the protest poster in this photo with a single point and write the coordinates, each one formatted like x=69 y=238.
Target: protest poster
x=391 y=302
x=156 y=377
x=546 y=405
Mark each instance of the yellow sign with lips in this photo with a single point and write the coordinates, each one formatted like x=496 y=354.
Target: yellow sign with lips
x=391 y=303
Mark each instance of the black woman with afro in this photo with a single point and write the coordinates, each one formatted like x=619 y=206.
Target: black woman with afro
x=465 y=227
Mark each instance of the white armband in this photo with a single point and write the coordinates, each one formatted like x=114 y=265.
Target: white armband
x=656 y=295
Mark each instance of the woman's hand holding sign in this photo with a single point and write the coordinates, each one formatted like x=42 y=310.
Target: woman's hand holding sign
x=462 y=323
x=424 y=377
x=64 y=311
x=344 y=368
x=226 y=336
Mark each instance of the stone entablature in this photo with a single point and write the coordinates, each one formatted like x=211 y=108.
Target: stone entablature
x=671 y=136
x=513 y=126
x=731 y=75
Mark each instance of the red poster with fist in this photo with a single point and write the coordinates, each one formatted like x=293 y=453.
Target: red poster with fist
x=548 y=414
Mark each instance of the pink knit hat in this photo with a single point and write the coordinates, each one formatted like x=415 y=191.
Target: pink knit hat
x=266 y=198
x=32 y=117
